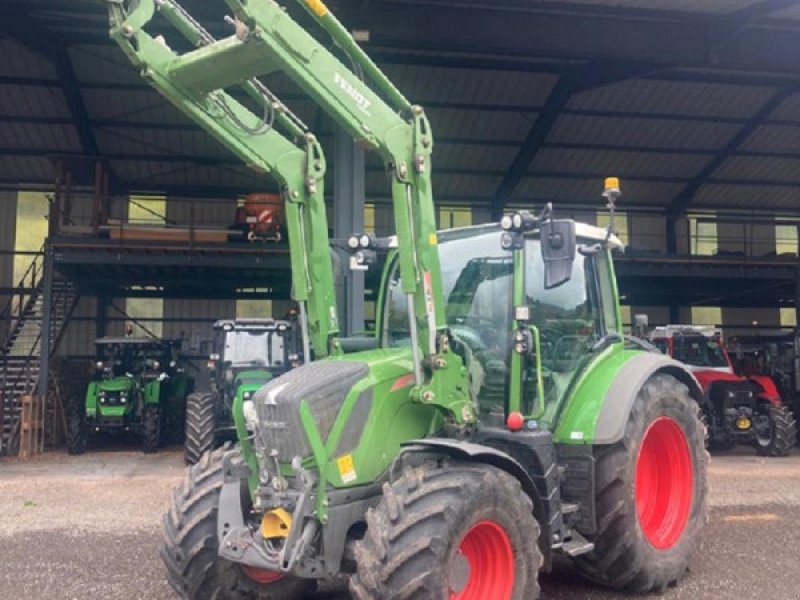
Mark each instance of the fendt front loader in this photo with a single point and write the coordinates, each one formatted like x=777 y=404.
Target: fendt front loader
x=500 y=416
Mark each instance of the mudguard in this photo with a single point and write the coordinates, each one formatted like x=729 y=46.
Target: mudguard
x=539 y=482
x=630 y=378
x=599 y=405
x=769 y=391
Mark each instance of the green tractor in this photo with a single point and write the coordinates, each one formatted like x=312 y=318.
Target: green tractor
x=137 y=387
x=500 y=416
x=247 y=353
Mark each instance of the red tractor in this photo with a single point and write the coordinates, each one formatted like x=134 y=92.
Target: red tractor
x=738 y=410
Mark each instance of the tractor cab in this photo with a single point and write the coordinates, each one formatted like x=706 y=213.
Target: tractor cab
x=247 y=354
x=561 y=326
x=133 y=357
x=251 y=349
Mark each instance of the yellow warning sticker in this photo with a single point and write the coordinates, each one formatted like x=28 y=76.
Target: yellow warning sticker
x=432 y=239
x=318 y=7
x=347 y=470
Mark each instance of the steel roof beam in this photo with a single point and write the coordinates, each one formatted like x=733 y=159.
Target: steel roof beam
x=30 y=33
x=685 y=198
x=579 y=79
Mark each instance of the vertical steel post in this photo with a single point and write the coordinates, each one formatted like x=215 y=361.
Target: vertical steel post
x=348 y=218
x=797 y=297
x=47 y=308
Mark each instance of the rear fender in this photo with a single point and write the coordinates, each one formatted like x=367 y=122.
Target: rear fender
x=471 y=452
x=630 y=378
x=767 y=390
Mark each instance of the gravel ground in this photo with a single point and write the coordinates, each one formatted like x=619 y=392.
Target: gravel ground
x=87 y=527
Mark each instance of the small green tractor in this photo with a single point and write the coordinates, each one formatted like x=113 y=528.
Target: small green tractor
x=500 y=416
x=138 y=387
x=247 y=353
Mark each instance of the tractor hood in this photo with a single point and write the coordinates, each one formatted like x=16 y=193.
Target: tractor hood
x=252 y=377
x=117 y=384
x=338 y=394
x=708 y=376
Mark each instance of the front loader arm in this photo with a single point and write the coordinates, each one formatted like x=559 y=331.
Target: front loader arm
x=381 y=119
x=295 y=160
x=268 y=40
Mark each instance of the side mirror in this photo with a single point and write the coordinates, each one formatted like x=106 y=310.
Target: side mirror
x=558 y=251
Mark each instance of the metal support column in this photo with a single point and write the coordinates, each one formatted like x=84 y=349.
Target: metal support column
x=101 y=316
x=797 y=298
x=46 y=331
x=671 y=233
x=348 y=218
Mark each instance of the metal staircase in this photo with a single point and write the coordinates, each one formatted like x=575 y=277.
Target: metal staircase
x=20 y=346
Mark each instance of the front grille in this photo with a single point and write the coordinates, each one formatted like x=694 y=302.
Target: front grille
x=111 y=399
x=323 y=385
x=733 y=395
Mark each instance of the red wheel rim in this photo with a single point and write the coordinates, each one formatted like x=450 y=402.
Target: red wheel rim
x=664 y=482
x=261 y=576
x=483 y=568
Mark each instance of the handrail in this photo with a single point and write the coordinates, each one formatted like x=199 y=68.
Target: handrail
x=16 y=302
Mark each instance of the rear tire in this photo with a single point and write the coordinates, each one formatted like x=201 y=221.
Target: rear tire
x=151 y=429
x=189 y=549
x=646 y=539
x=462 y=531
x=200 y=425
x=783 y=432
x=77 y=431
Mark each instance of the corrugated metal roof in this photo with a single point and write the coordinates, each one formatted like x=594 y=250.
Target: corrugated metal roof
x=151 y=173
x=106 y=64
x=793 y=12
x=587 y=191
x=20 y=61
x=648 y=133
x=779 y=170
x=620 y=164
x=675 y=98
x=422 y=84
x=702 y=6
x=32 y=101
x=130 y=105
x=774 y=138
x=478 y=124
x=472 y=156
x=789 y=110
x=48 y=138
x=748 y=196
x=26 y=169
x=144 y=140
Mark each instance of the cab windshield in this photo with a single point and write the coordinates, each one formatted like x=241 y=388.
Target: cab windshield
x=253 y=347
x=698 y=351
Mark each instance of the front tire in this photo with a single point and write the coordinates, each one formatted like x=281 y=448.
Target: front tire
x=782 y=434
x=151 y=429
x=460 y=531
x=200 y=425
x=651 y=493
x=189 y=549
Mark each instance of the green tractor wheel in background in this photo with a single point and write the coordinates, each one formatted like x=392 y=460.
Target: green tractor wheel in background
x=151 y=429
x=200 y=425
x=77 y=431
